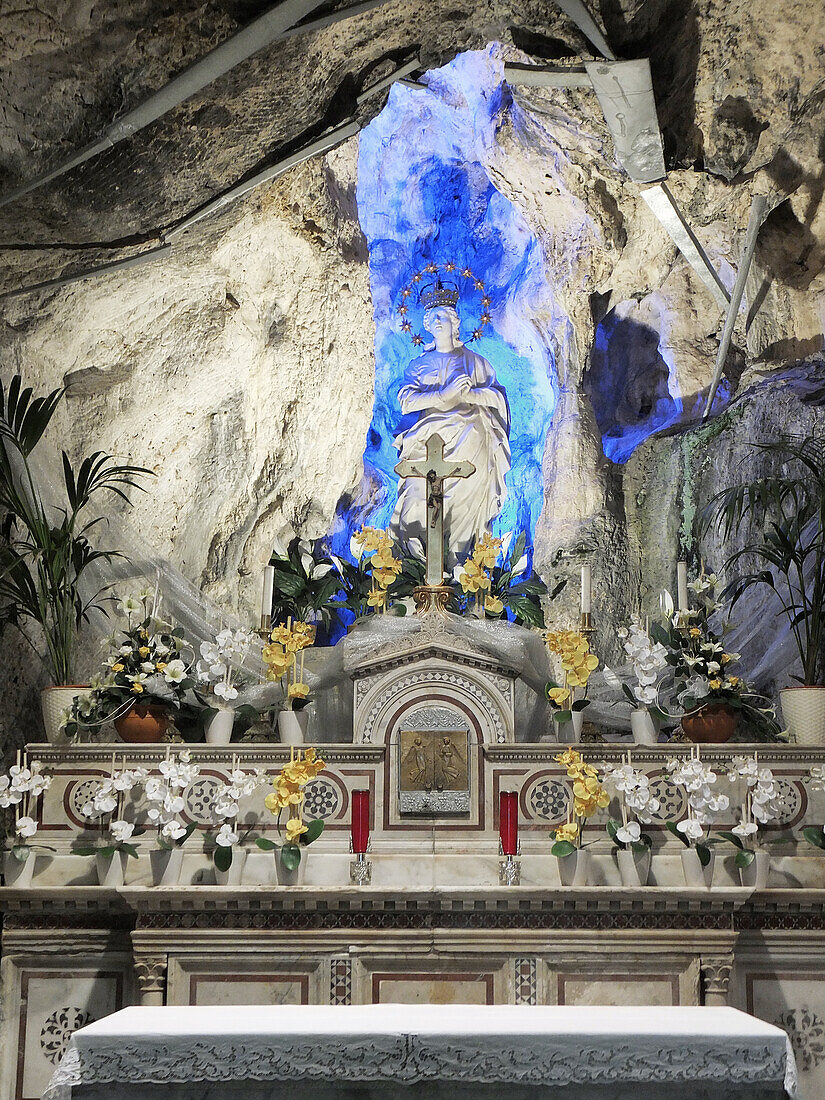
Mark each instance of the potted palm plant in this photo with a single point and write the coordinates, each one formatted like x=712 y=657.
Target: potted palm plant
x=45 y=552
x=787 y=556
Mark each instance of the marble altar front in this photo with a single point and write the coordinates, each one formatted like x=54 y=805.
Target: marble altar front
x=433 y=927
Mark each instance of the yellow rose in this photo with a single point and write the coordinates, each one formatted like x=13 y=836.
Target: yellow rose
x=694 y=632
x=714 y=684
x=137 y=688
x=144 y=651
x=160 y=666
x=118 y=667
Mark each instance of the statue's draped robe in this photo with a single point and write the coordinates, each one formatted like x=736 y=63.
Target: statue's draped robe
x=477 y=431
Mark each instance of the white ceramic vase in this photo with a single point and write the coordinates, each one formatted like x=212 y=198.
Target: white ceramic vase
x=111 y=870
x=54 y=701
x=634 y=867
x=755 y=877
x=166 y=866
x=574 y=870
x=803 y=709
x=292 y=726
x=695 y=874
x=218 y=729
x=18 y=872
x=234 y=876
x=570 y=733
x=284 y=876
x=644 y=726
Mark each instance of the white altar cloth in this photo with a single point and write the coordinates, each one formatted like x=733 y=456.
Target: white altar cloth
x=420 y=1050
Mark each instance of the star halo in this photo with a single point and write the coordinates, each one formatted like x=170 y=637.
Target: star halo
x=402 y=311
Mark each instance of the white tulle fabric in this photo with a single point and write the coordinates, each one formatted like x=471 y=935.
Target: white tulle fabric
x=428 y=1043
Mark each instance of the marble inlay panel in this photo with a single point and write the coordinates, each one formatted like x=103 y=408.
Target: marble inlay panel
x=617 y=990
x=248 y=989
x=432 y=988
x=795 y=1002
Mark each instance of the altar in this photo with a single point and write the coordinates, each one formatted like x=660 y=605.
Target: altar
x=449 y=1051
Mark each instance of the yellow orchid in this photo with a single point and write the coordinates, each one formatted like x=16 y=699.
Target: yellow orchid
x=568 y=832
x=294 y=828
x=559 y=696
x=486 y=551
x=494 y=605
x=280 y=635
x=568 y=758
x=473 y=579
x=385 y=577
x=369 y=538
x=377 y=597
x=298 y=691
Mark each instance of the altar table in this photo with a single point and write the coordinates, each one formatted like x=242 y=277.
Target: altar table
x=424 y=1051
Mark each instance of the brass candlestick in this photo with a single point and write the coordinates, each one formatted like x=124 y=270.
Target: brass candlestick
x=265 y=628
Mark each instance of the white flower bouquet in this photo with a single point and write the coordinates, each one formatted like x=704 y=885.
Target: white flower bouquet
x=21 y=788
x=106 y=808
x=698 y=781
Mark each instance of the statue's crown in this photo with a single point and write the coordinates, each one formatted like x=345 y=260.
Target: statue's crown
x=439 y=294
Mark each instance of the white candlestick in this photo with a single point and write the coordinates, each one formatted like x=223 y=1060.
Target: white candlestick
x=268 y=590
x=681 y=585
x=586 y=590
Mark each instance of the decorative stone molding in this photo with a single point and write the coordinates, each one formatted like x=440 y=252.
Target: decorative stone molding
x=716 y=972
x=525 y=981
x=150 y=971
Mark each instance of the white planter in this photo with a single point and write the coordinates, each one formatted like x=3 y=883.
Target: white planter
x=53 y=702
x=803 y=709
x=111 y=870
x=695 y=874
x=645 y=727
x=166 y=866
x=574 y=869
x=755 y=877
x=292 y=726
x=18 y=872
x=218 y=729
x=285 y=877
x=634 y=867
x=234 y=876
x=570 y=733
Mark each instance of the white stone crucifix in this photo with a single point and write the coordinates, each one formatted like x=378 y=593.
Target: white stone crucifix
x=435 y=469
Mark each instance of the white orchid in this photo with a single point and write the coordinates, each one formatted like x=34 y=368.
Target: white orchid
x=692 y=827
x=630 y=833
x=703 y=800
x=26 y=827
x=225 y=691
x=745 y=830
x=226 y=836
x=121 y=830
x=225 y=807
x=173 y=830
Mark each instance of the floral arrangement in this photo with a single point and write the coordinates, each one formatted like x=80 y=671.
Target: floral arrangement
x=636 y=802
x=648 y=660
x=698 y=781
x=106 y=807
x=280 y=656
x=225 y=809
x=506 y=587
x=702 y=666
x=577 y=663
x=164 y=796
x=373 y=548
x=762 y=804
x=289 y=795
x=218 y=666
x=21 y=788
x=588 y=796
x=145 y=668
x=307 y=582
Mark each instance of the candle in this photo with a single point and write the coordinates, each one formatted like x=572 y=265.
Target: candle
x=268 y=590
x=586 y=590
x=681 y=585
x=360 y=827
x=508 y=822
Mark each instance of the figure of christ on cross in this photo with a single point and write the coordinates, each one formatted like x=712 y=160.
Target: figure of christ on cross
x=435 y=469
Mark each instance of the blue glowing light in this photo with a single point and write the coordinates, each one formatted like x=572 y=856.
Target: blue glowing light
x=425 y=196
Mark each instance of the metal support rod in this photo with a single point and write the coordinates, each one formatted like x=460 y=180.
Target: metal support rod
x=380 y=85
x=754 y=222
x=272 y=26
x=575 y=10
x=104 y=269
x=547 y=76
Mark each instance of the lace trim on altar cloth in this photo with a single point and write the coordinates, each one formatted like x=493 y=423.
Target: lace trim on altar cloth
x=408 y=1060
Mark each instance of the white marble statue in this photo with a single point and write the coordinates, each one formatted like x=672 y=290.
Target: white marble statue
x=452 y=391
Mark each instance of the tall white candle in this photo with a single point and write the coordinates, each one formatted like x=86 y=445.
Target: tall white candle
x=681 y=585
x=586 y=590
x=268 y=589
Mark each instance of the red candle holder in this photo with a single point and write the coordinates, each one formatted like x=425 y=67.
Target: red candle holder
x=360 y=827
x=508 y=822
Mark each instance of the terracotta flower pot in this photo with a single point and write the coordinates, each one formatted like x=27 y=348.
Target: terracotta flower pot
x=712 y=724
x=143 y=724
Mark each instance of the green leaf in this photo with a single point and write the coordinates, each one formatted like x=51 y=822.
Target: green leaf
x=563 y=716
x=612 y=828
x=84 y=851
x=563 y=848
x=223 y=857
x=21 y=852
x=814 y=835
x=744 y=858
x=703 y=852
x=190 y=828
x=734 y=839
x=630 y=696
x=644 y=842
x=266 y=845
x=129 y=849
x=314 y=830
x=291 y=856
x=580 y=704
